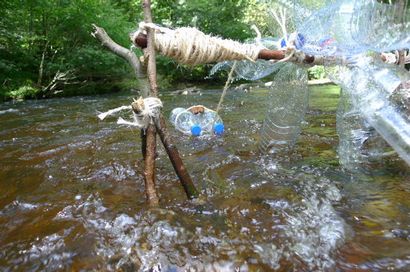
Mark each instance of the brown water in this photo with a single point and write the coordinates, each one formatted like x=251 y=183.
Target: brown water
x=71 y=195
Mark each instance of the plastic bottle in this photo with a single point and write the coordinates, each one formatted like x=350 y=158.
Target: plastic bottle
x=174 y=114
x=206 y=122
x=380 y=26
x=359 y=143
x=373 y=98
x=289 y=100
x=356 y=26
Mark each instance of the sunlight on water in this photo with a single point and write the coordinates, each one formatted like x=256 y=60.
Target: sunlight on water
x=72 y=195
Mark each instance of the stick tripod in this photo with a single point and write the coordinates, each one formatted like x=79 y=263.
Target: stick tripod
x=148 y=136
x=160 y=127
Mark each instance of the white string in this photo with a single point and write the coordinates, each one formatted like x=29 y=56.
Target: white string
x=225 y=89
x=151 y=108
x=258 y=38
x=281 y=20
x=192 y=47
x=103 y=115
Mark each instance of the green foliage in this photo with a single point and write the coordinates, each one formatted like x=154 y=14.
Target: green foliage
x=316 y=72
x=220 y=18
x=59 y=31
x=24 y=92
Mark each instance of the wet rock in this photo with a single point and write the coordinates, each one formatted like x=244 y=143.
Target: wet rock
x=187 y=91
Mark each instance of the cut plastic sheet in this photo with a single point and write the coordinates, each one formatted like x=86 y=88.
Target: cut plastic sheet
x=360 y=144
x=350 y=35
x=381 y=27
x=352 y=27
x=385 y=110
x=248 y=70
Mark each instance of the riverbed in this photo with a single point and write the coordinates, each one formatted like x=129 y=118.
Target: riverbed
x=72 y=193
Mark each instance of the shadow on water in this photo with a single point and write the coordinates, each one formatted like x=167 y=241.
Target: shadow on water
x=71 y=194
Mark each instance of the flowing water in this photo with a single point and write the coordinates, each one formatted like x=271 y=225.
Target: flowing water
x=72 y=194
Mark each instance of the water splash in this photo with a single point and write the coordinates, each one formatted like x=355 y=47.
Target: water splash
x=312 y=230
x=372 y=97
x=49 y=252
x=8 y=111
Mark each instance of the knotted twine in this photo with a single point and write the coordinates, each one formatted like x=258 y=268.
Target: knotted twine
x=190 y=46
x=144 y=111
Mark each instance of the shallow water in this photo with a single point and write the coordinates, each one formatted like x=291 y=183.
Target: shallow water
x=71 y=194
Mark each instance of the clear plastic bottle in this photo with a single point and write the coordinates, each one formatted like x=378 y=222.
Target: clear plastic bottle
x=377 y=104
x=356 y=26
x=174 y=114
x=359 y=143
x=201 y=123
x=380 y=26
x=289 y=100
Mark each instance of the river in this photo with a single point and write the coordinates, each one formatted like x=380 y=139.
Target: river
x=72 y=194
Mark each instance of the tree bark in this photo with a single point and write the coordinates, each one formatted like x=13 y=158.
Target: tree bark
x=41 y=68
x=151 y=143
x=149 y=166
x=175 y=159
x=100 y=34
x=148 y=136
x=171 y=150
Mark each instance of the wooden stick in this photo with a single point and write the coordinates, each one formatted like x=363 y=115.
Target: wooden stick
x=175 y=159
x=172 y=151
x=151 y=143
x=141 y=41
x=149 y=166
x=101 y=35
x=139 y=70
x=267 y=54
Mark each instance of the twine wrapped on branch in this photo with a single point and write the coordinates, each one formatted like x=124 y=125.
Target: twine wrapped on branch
x=192 y=47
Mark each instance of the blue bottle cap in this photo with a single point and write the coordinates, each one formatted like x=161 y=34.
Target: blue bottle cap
x=300 y=41
x=282 y=43
x=196 y=130
x=219 y=128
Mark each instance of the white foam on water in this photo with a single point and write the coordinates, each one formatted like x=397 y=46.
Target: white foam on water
x=386 y=264
x=310 y=233
x=49 y=252
x=116 y=171
x=312 y=230
x=17 y=205
x=8 y=111
x=146 y=242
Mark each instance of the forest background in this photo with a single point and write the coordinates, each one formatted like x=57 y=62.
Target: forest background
x=41 y=40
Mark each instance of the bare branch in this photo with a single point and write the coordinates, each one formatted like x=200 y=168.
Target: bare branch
x=101 y=35
x=60 y=78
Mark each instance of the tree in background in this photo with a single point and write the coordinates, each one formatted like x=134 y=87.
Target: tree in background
x=41 y=41
x=39 y=38
x=223 y=18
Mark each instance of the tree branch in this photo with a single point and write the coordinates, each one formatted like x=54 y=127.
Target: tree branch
x=101 y=35
x=151 y=134
x=172 y=151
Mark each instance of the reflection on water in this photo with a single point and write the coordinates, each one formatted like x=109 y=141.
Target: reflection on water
x=71 y=194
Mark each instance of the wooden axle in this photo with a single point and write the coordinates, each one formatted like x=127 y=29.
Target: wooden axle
x=266 y=54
